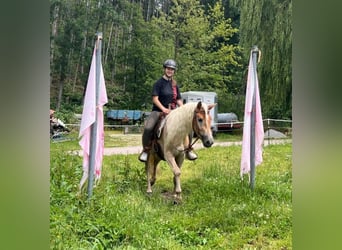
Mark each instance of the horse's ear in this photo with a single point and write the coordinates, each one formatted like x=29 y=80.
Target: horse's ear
x=199 y=105
x=210 y=106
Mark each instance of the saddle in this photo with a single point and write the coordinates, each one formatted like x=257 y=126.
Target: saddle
x=160 y=126
x=158 y=129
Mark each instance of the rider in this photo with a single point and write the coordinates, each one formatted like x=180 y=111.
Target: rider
x=165 y=97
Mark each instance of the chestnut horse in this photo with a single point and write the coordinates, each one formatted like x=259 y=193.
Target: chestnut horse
x=189 y=118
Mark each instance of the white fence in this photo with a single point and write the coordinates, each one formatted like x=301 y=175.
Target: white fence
x=283 y=126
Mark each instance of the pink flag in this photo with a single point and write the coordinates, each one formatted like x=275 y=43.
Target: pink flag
x=88 y=118
x=252 y=86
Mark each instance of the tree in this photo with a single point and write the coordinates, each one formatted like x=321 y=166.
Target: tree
x=267 y=24
x=210 y=40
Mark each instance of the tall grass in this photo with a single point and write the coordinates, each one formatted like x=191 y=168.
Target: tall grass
x=219 y=210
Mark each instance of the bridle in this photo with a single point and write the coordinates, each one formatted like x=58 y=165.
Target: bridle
x=195 y=129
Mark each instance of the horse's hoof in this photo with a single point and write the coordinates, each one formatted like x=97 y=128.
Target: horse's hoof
x=177 y=201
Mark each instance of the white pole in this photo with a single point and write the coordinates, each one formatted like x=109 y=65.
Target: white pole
x=93 y=135
x=255 y=52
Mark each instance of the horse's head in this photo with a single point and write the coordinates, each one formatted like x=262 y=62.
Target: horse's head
x=202 y=123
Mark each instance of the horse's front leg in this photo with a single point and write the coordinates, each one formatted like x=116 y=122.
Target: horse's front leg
x=176 y=175
x=176 y=181
x=177 y=188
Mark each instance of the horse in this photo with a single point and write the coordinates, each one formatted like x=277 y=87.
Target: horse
x=173 y=142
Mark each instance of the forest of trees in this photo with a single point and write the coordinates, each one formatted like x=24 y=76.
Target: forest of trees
x=210 y=41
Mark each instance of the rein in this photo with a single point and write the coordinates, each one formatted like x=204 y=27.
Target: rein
x=194 y=128
x=190 y=146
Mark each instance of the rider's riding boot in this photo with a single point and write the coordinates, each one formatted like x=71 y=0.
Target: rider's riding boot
x=144 y=154
x=190 y=155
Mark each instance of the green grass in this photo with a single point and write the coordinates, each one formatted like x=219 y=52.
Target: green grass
x=219 y=210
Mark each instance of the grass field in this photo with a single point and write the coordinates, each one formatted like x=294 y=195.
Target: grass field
x=219 y=210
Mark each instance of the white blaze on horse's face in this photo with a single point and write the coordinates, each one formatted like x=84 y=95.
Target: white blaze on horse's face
x=202 y=126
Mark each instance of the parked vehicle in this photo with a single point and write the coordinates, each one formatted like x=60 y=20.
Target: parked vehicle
x=125 y=117
x=228 y=122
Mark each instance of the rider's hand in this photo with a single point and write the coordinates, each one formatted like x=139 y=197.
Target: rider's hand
x=166 y=111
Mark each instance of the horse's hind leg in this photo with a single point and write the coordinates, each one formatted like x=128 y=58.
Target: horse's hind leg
x=151 y=167
x=148 y=176
x=154 y=171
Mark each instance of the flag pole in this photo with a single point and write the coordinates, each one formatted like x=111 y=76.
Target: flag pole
x=255 y=52
x=93 y=133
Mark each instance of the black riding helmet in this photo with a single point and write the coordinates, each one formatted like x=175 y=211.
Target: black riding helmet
x=169 y=63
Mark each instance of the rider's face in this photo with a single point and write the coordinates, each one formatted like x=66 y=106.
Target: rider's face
x=169 y=72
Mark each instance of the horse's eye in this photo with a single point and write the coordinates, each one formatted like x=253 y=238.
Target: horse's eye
x=200 y=120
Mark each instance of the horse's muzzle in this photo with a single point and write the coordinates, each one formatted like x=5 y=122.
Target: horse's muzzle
x=207 y=141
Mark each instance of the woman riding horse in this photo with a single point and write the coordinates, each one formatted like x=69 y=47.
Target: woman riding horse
x=172 y=144
x=165 y=97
